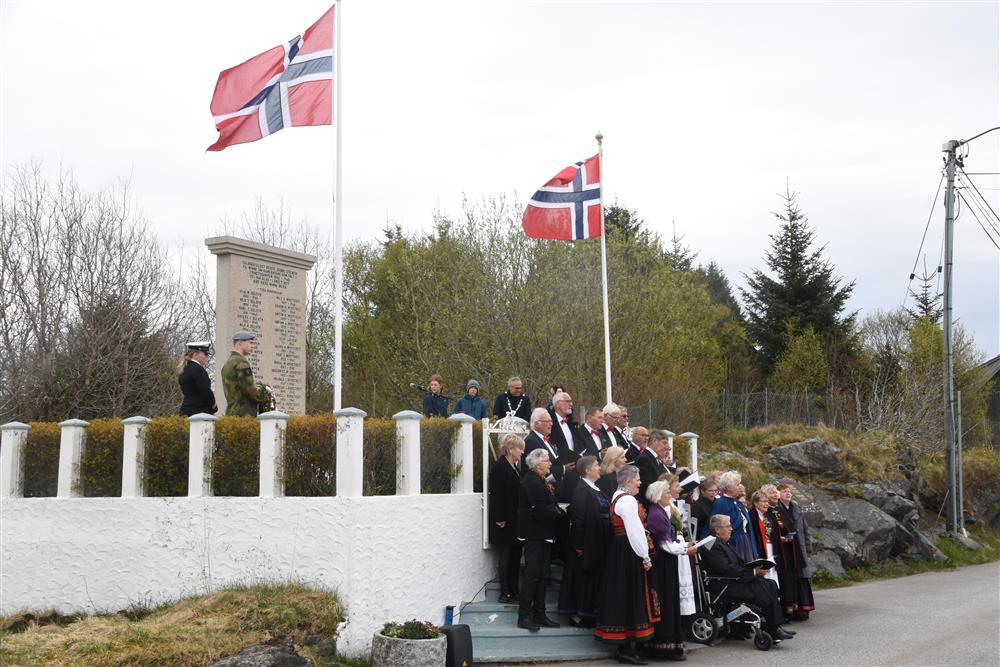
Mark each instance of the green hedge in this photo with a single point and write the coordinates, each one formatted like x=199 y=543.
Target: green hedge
x=310 y=457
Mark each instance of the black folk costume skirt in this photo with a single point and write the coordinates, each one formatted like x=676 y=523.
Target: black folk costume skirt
x=628 y=606
x=668 y=634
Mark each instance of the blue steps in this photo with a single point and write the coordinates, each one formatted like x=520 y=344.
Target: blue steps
x=496 y=638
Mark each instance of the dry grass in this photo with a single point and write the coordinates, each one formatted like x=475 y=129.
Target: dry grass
x=195 y=631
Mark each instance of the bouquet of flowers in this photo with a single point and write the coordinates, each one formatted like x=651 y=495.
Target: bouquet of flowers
x=265 y=398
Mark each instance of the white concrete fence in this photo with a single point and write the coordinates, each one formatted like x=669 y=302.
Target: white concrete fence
x=387 y=557
x=201 y=446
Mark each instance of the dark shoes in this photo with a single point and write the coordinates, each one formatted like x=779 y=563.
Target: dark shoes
x=544 y=621
x=630 y=659
x=781 y=633
x=675 y=655
x=507 y=598
x=527 y=624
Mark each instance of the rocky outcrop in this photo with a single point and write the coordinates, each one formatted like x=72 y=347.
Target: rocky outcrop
x=813 y=456
x=263 y=655
x=889 y=499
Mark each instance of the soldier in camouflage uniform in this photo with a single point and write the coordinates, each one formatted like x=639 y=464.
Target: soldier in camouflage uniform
x=237 y=377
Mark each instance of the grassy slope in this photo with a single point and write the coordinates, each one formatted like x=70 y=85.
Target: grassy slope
x=194 y=631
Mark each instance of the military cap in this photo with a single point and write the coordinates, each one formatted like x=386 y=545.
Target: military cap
x=200 y=346
x=244 y=335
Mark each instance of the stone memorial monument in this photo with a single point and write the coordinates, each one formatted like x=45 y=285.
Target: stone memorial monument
x=262 y=289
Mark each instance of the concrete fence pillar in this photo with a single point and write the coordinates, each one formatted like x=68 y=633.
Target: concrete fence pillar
x=201 y=447
x=692 y=439
x=71 y=442
x=461 y=455
x=407 y=452
x=13 y=437
x=272 y=454
x=134 y=457
x=350 y=451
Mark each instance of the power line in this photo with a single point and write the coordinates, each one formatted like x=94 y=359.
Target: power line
x=978 y=203
x=968 y=181
x=930 y=215
x=973 y=211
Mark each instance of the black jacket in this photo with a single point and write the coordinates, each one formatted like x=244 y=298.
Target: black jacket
x=197 y=390
x=435 y=405
x=587 y=439
x=533 y=442
x=568 y=454
x=521 y=405
x=538 y=512
x=650 y=470
x=505 y=486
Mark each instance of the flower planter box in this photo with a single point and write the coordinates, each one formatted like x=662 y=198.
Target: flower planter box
x=392 y=652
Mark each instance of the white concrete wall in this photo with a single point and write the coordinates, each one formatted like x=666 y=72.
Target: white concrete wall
x=388 y=557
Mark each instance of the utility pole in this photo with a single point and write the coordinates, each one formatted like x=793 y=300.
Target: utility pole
x=951 y=162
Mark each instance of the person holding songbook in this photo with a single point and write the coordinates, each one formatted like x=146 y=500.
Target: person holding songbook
x=671 y=573
x=749 y=584
x=795 y=546
x=762 y=521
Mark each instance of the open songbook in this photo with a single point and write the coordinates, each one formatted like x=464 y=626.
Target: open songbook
x=708 y=542
x=763 y=563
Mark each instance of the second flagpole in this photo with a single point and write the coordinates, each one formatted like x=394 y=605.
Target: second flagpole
x=604 y=274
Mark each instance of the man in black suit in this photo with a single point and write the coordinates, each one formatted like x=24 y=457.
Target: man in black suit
x=637 y=445
x=195 y=383
x=649 y=464
x=749 y=585
x=592 y=434
x=538 y=515
x=615 y=421
x=565 y=432
x=540 y=438
x=513 y=401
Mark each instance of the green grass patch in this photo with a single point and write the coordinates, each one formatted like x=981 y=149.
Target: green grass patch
x=957 y=556
x=193 y=631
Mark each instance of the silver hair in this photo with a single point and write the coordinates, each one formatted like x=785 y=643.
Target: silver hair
x=656 y=490
x=658 y=435
x=729 y=480
x=535 y=457
x=559 y=396
x=513 y=380
x=626 y=474
x=613 y=409
x=718 y=521
x=535 y=414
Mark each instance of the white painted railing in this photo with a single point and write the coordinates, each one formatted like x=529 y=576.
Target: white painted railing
x=201 y=445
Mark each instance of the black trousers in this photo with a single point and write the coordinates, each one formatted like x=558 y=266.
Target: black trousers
x=509 y=567
x=531 y=599
x=763 y=593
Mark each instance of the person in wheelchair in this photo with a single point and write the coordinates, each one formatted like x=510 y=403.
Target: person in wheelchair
x=737 y=582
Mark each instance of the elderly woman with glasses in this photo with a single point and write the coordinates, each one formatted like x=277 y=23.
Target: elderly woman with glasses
x=628 y=606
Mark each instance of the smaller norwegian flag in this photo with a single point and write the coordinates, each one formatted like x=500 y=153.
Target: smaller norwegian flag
x=568 y=207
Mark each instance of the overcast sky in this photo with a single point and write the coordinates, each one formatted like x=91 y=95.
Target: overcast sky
x=706 y=110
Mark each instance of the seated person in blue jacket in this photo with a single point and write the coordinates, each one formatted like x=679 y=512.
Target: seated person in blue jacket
x=471 y=404
x=435 y=405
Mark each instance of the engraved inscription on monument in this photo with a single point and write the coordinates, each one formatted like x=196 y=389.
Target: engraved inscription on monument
x=262 y=289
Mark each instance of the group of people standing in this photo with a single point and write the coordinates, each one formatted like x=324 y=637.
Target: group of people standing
x=609 y=503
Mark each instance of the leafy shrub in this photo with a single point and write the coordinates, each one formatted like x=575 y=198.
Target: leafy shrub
x=311 y=456
x=101 y=462
x=412 y=629
x=41 y=460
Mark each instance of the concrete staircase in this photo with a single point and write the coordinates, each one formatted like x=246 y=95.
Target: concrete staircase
x=496 y=638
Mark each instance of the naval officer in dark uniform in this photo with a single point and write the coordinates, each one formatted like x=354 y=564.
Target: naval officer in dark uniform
x=195 y=383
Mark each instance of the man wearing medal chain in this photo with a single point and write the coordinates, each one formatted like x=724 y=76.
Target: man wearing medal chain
x=513 y=401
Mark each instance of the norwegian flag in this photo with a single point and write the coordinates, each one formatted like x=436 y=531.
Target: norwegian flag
x=568 y=207
x=286 y=86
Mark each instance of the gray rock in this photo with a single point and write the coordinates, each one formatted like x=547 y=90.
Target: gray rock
x=826 y=560
x=881 y=535
x=886 y=498
x=844 y=544
x=922 y=546
x=818 y=508
x=262 y=655
x=965 y=541
x=809 y=456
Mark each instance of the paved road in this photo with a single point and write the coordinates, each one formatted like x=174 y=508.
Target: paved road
x=938 y=618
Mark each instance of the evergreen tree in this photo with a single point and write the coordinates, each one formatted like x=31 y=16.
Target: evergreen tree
x=719 y=289
x=803 y=290
x=625 y=222
x=680 y=256
x=927 y=303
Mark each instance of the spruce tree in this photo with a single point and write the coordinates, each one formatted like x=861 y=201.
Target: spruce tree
x=803 y=290
x=927 y=302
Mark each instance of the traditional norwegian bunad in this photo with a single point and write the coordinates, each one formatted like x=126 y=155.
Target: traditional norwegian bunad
x=628 y=605
x=671 y=577
x=589 y=534
x=790 y=533
x=765 y=540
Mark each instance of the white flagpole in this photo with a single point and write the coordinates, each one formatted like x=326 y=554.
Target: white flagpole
x=604 y=274
x=337 y=90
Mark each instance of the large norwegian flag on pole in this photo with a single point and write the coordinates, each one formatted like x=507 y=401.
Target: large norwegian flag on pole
x=289 y=85
x=568 y=207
